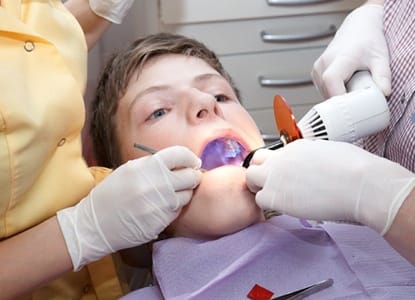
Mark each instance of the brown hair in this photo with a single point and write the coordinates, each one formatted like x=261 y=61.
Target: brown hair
x=116 y=76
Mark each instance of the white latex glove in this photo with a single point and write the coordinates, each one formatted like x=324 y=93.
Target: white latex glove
x=131 y=206
x=334 y=181
x=359 y=44
x=111 y=10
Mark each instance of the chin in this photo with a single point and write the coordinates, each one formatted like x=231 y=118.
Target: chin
x=221 y=205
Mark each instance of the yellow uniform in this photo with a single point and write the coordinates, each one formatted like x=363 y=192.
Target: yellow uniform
x=43 y=56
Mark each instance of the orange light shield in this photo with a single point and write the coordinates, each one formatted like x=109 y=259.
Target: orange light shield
x=285 y=120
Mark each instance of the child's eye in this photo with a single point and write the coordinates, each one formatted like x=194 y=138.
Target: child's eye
x=221 y=98
x=158 y=113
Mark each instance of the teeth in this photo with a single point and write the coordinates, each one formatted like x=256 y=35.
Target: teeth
x=231 y=148
x=222 y=151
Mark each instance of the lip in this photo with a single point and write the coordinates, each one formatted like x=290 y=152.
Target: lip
x=218 y=161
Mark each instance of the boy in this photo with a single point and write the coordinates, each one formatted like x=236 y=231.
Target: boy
x=199 y=110
x=169 y=90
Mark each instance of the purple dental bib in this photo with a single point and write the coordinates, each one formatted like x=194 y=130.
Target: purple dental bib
x=282 y=254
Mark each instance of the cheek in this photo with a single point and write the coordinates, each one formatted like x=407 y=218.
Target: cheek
x=250 y=124
x=243 y=120
x=168 y=131
x=127 y=149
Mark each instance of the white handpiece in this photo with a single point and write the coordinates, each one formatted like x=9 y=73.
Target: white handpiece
x=360 y=112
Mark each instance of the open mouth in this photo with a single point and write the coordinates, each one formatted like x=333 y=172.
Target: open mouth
x=222 y=151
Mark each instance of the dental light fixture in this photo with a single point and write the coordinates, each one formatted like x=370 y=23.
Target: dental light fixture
x=360 y=112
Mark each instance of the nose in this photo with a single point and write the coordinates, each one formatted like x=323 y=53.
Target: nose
x=203 y=106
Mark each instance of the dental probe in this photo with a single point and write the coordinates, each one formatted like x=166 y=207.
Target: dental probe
x=153 y=151
x=145 y=148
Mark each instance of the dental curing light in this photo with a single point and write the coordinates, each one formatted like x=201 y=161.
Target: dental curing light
x=360 y=112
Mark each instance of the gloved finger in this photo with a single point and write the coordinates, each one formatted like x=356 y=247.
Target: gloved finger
x=276 y=195
x=336 y=75
x=255 y=177
x=381 y=75
x=318 y=69
x=260 y=155
x=184 y=179
x=183 y=198
x=178 y=157
x=265 y=200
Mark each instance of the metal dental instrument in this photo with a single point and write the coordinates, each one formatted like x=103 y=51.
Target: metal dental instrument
x=145 y=148
x=307 y=291
x=153 y=151
x=273 y=146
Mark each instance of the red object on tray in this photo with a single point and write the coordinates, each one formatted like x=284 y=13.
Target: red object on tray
x=259 y=293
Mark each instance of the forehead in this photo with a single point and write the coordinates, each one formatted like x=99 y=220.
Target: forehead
x=173 y=67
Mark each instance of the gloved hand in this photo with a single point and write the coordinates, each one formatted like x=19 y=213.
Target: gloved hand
x=359 y=44
x=334 y=181
x=131 y=206
x=111 y=10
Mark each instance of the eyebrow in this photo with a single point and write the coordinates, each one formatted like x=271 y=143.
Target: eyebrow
x=158 y=88
x=150 y=90
x=207 y=76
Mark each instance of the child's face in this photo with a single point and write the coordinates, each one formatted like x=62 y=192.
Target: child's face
x=180 y=100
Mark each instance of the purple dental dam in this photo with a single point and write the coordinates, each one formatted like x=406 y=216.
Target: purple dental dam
x=222 y=151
